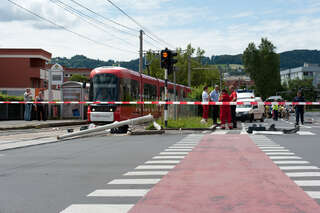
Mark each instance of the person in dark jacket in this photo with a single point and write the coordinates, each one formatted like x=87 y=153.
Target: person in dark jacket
x=299 y=108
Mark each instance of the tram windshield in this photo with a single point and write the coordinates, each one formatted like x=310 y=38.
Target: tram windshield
x=104 y=87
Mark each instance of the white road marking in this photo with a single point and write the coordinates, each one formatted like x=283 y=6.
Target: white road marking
x=283 y=157
x=298 y=167
x=181 y=147
x=155 y=167
x=177 y=150
x=174 y=153
x=271 y=147
x=192 y=145
x=168 y=157
x=303 y=174
x=291 y=162
x=314 y=194
x=219 y=132
x=162 y=162
x=119 y=193
x=305 y=133
x=278 y=153
x=146 y=173
x=307 y=182
x=97 y=208
x=135 y=181
x=267 y=133
x=275 y=150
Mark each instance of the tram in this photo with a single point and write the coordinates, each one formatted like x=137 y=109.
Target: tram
x=121 y=84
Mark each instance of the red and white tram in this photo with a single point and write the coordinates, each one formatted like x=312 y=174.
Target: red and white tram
x=121 y=84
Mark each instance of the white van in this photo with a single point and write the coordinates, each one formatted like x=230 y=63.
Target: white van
x=250 y=112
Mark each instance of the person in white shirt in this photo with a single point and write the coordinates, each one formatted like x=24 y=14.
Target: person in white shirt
x=205 y=98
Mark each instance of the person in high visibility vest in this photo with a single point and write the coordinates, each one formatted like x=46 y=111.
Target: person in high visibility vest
x=275 y=109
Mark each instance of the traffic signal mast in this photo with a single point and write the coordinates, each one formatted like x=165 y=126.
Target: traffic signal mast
x=167 y=62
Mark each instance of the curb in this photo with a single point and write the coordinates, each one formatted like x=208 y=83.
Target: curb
x=46 y=125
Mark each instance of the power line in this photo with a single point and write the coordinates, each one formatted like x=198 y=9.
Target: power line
x=99 y=15
x=137 y=23
x=84 y=17
x=64 y=28
x=110 y=20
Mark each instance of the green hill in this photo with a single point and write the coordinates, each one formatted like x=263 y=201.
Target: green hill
x=289 y=59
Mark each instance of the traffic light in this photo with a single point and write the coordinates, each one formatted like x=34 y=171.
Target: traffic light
x=165 y=60
x=172 y=59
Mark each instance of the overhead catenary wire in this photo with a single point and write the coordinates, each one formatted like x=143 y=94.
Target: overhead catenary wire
x=110 y=20
x=105 y=18
x=85 y=18
x=140 y=25
x=66 y=29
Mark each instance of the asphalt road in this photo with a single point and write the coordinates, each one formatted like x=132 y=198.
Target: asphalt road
x=48 y=178
x=51 y=177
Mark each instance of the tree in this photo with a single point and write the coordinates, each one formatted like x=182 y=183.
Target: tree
x=79 y=78
x=293 y=86
x=263 y=66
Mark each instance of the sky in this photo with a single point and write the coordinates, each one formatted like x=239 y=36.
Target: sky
x=218 y=27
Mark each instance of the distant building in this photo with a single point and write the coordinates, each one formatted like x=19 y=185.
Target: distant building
x=241 y=81
x=29 y=68
x=22 y=68
x=307 y=71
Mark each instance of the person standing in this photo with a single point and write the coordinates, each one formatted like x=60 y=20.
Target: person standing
x=28 y=106
x=40 y=107
x=299 y=108
x=225 y=110
x=275 y=109
x=233 y=97
x=214 y=96
x=205 y=98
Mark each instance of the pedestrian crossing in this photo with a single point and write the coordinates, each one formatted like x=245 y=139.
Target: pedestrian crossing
x=300 y=171
x=137 y=183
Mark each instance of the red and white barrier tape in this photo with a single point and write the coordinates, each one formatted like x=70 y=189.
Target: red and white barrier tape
x=161 y=102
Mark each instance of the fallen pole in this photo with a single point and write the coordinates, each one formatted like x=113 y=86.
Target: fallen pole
x=116 y=124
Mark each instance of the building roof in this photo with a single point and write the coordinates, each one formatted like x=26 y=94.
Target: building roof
x=25 y=53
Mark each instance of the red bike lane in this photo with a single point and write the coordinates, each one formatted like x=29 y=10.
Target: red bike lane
x=226 y=173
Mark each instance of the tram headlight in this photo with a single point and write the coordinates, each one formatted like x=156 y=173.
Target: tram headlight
x=93 y=109
x=111 y=110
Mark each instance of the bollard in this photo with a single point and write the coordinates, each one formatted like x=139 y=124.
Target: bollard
x=115 y=124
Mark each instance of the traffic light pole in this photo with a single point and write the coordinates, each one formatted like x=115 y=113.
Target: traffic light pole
x=166 y=98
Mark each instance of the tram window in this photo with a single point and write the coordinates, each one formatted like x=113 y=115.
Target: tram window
x=134 y=90
x=149 y=92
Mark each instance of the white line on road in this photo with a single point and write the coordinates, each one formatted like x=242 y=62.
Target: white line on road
x=283 y=157
x=314 y=194
x=307 y=182
x=155 y=167
x=177 y=150
x=146 y=173
x=291 y=162
x=119 y=193
x=134 y=181
x=174 y=153
x=162 y=162
x=219 y=132
x=181 y=147
x=97 y=208
x=279 y=153
x=305 y=133
x=271 y=147
x=303 y=174
x=168 y=157
x=275 y=150
x=298 y=167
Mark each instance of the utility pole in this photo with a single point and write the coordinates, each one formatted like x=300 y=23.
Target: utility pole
x=189 y=71
x=141 y=52
x=141 y=67
x=166 y=97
